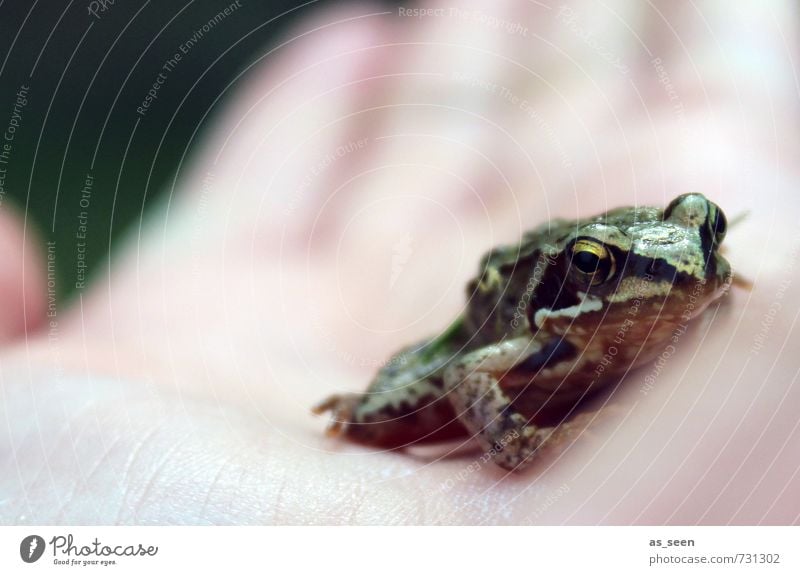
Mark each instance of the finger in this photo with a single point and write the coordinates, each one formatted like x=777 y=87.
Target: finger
x=291 y=124
x=168 y=298
x=23 y=286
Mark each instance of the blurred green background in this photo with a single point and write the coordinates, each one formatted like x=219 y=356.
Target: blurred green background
x=85 y=75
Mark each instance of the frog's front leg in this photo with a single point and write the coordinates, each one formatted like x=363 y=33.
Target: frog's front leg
x=473 y=385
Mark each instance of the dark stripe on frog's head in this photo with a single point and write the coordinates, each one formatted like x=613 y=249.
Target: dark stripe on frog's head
x=654 y=269
x=553 y=289
x=707 y=245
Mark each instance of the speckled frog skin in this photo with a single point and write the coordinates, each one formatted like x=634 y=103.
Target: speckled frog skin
x=549 y=322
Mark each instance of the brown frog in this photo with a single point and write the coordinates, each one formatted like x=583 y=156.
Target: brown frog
x=549 y=322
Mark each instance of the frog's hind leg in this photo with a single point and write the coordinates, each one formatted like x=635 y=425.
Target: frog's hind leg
x=473 y=385
x=382 y=423
x=405 y=404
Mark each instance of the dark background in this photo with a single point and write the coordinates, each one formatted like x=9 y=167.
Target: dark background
x=86 y=77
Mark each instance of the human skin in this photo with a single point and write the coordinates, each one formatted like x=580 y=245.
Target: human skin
x=177 y=389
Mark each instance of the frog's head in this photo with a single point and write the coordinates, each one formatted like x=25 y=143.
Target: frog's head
x=662 y=266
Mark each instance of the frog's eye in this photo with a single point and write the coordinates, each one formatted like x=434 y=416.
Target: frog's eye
x=592 y=261
x=717 y=223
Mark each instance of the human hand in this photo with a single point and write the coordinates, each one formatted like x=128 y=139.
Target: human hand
x=336 y=213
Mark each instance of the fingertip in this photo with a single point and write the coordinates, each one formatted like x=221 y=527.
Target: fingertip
x=22 y=277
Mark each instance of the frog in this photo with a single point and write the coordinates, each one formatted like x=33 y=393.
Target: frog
x=550 y=323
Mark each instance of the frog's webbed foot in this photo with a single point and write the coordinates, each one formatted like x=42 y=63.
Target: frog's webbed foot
x=342 y=408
